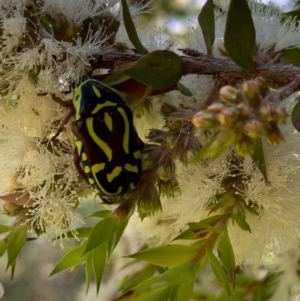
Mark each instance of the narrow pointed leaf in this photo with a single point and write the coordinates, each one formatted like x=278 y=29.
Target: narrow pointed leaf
x=206 y=21
x=295 y=116
x=139 y=277
x=101 y=232
x=99 y=261
x=88 y=270
x=71 y=259
x=4 y=228
x=241 y=221
x=119 y=228
x=219 y=271
x=225 y=201
x=181 y=273
x=15 y=242
x=158 y=69
x=131 y=30
x=259 y=158
x=184 y=90
x=182 y=292
x=291 y=56
x=159 y=293
x=226 y=255
x=239 y=35
x=166 y=256
x=3 y=247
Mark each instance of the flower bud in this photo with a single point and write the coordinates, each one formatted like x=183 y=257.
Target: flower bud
x=149 y=202
x=253 y=128
x=273 y=134
x=281 y=114
x=244 y=147
x=203 y=119
x=216 y=107
x=228 y=94
x=267 y=111
x=227 y=116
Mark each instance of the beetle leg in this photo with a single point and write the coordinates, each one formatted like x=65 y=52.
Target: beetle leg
x=66 y=104
x=76 y=160
x=64 y=121
x=62 y=124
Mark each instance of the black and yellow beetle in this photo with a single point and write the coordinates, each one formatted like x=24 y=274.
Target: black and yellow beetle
x=108 y=148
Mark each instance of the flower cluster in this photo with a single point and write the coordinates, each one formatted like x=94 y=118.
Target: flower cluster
x=240 y=117
x=45 y=46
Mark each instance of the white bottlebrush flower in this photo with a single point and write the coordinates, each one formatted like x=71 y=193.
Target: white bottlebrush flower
x=79 y=53
x=276 y=228
x=31 y=163
x=13 y=28
x=272 y=34
x=75 y=11
x=271 y=31
x=51 y=210
x=10 y=6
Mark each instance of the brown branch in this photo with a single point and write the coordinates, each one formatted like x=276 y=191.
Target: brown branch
x=225 y=70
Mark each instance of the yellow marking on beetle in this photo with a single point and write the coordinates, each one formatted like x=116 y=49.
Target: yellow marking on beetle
x=116 y=172
x=108 y=121
x=76 y=102
x=87 y=169
x=100 y=106
x=137 y=154
x=132 y=168
x=96 y=190
x=78 y=146
x=100 y=167
x=83 y=157
x=91 y=181
x=97 y=167
x=96 y=91
x=131 y=186
x=126 y=131
x=103 y=145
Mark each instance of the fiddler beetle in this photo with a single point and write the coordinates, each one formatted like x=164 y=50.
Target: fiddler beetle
x=107 y=147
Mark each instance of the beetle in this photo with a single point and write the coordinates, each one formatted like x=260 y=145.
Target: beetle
x=107 y=147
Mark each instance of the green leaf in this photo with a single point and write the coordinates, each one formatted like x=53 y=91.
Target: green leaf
x=88 y=270
x=101 y=213
x=158 y=69
x=80 y=232
x=239 y=35
x=182 y=292
x=179 y=274
x=206 y=21
x=225 y=201
x=219 y=271
x=71 y=259
x=99 y=261
x=120 y=226
x=15 y=242
x=241 y=221
x=3 y=247
x=4 y=228
x=295 y=116
x=101 y=232
x=184 y=90
x=226 y=254
x=291 y=56
x=217 y=145
x=131 y=30
x=209 y=221
x=139 y=277
x=159 y=293
x=166 y=256
x=259 y=158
